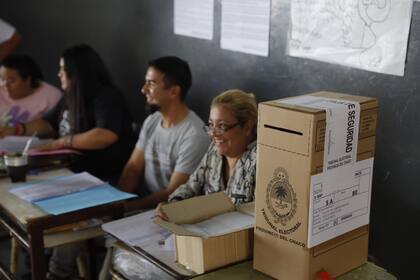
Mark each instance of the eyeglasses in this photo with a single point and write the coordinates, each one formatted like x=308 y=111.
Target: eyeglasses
x=219 y=129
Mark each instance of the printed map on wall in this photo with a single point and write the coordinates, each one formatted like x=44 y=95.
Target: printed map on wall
x=366 y=34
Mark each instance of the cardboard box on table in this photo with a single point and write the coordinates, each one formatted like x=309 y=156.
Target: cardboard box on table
x=291 y=144
x=200 y=252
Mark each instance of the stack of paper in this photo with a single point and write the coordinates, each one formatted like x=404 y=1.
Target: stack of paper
x=221 y=224
x=138 y=230
x=69 y=193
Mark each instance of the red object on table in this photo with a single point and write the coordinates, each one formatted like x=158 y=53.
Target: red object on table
x=323 y=275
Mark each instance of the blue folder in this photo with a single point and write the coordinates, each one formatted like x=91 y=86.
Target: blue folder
x=98 y=195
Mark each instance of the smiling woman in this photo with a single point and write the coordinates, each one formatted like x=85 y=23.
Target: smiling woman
x=231 y=124
x=229 y=164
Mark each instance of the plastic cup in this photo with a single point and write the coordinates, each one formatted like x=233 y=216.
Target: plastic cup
x=17 y=166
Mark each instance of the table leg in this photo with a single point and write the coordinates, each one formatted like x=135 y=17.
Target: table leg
x=90 y=248
x=14 y=253
x=39 y=267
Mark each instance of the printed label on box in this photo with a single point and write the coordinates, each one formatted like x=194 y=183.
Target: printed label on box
x=337 y=208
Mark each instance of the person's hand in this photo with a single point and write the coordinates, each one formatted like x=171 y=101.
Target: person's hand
x=160 y=213
x=6 y=131
x=53 y=145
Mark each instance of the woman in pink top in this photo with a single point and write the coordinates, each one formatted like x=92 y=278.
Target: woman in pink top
x=23 y=94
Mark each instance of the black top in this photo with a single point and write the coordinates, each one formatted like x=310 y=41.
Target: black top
x=107 y=111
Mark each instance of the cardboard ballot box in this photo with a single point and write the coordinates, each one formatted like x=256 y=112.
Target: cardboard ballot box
x=290 y=155
x=210 y=231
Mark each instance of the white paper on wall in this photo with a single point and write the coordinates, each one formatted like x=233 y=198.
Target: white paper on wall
x=246 y=26
x=194 y=18
x=365 y=34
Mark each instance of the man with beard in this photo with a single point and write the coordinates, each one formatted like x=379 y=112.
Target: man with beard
x=172 y=140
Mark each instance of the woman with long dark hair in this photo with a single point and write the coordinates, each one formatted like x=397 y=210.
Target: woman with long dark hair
x=92 y=117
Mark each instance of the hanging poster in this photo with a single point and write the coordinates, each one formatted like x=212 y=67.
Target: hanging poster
x=194 y=18
x=246 y=26
x=365 y=34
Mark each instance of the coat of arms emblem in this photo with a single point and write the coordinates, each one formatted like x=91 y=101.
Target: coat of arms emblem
x=280 y=197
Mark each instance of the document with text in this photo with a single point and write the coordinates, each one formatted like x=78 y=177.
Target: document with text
x=337 y=208
x=245 y=26
x=194 y=18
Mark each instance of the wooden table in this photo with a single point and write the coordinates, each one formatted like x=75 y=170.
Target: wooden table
x=239 y=271
x=27 y=223
x=244 y=271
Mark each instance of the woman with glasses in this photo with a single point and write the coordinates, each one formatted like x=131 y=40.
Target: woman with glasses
x=229 y=164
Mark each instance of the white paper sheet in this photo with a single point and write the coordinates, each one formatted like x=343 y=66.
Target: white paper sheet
x=342 y=207
x=246 y=26
x=56 y=187
x=194 y=18
x=17 y=143
x=222 y=224
x=368 y=34
x=140 y=230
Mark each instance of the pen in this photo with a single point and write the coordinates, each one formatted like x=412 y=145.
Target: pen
x=28 y=144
